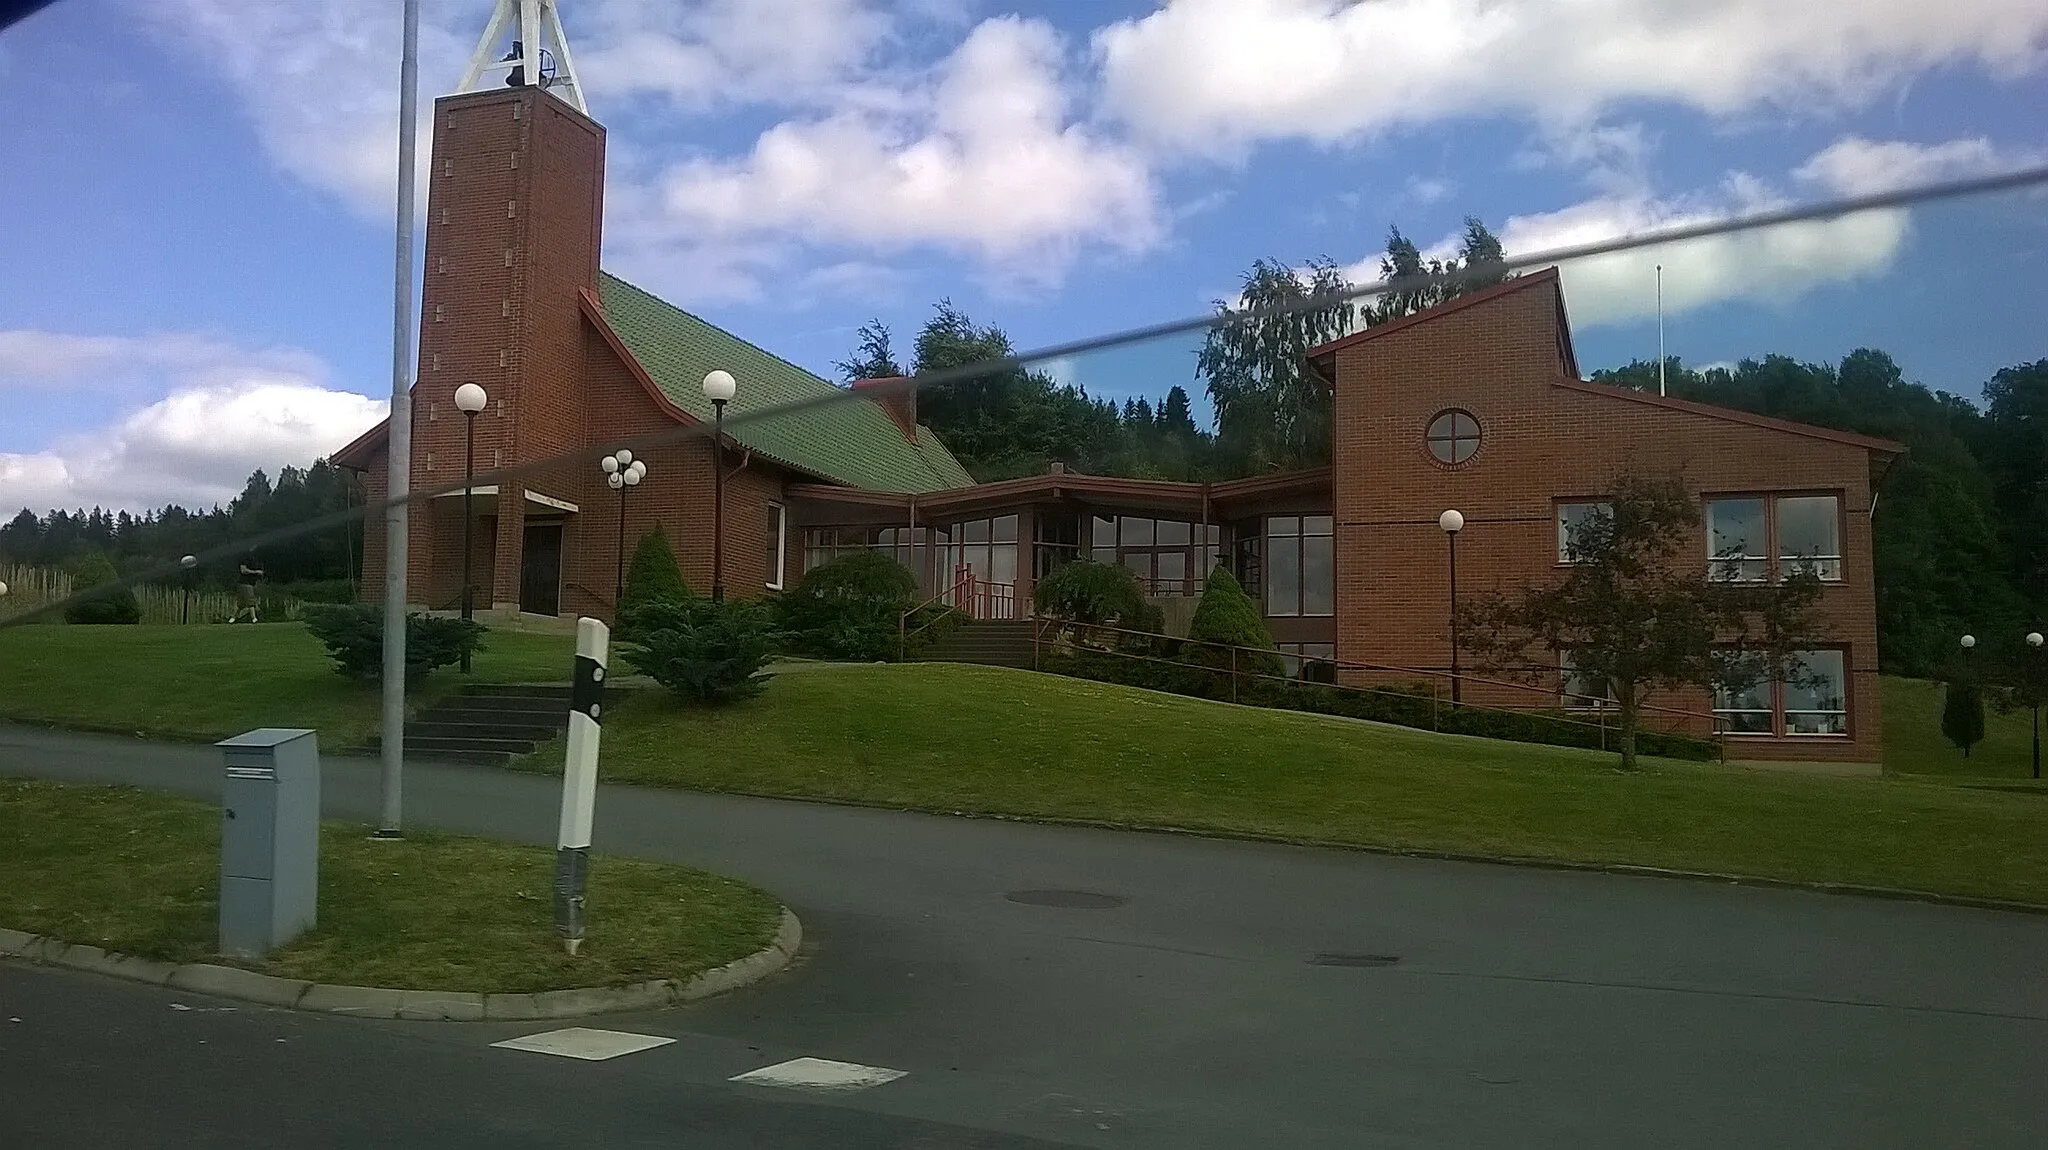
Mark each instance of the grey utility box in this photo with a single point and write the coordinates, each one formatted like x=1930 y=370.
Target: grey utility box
x=269 y=839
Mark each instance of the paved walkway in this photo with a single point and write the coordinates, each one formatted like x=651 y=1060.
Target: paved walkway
x=1239 y=994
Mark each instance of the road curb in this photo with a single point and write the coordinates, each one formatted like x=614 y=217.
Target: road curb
x=416 y=1005
x=1637 y=870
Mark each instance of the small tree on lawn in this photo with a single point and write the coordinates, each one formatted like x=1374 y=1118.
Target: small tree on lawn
x=1638 y=612
x=1962 y=713
x=1226 y=617
x=652 y=575
x=111 y=607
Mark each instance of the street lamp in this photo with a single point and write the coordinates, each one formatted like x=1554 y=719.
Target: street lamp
x=621 y=471
x=1453 y=522
x=2035 y=679
x=188 y=563
x=469 y=400
x=719 y=387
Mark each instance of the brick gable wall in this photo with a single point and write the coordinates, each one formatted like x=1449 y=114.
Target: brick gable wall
x=1541 y=443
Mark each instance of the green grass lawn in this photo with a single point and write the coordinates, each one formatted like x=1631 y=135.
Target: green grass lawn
x=138 y=873
x=1913 y=743
x=992 y=741
x=210 y=682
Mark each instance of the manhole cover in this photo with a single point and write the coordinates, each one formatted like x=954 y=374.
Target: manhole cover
x=1327 y=959
x=1074 y=899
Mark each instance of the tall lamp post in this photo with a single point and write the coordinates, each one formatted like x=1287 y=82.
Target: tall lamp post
x=621 y=471
x=1453 y=522
x=188 y=563
x=2036 y=679
x=719 y=387
x=469 y=400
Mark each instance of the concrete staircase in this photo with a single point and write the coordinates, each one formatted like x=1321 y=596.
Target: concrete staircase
x=488 y=725
x=1000 y=642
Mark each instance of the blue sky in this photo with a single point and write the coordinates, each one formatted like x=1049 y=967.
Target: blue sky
x=198 y=219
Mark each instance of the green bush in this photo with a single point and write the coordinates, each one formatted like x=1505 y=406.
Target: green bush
x=850 y=608
x=1962 y=713
x=931 y=623
x=1084 y=594
x=703 y=650
x=113 y=607
x=652 y=575
x=1227 y=616
x=353 y=634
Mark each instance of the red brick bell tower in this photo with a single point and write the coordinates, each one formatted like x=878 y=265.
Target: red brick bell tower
x=514 y=212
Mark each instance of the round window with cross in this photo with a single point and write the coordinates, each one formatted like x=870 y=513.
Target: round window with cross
x=1453 y=436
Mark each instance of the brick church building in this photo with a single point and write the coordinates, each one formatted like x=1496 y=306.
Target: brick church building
x=1475 y=405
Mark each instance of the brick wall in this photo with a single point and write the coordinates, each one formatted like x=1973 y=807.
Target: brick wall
x=1541 y=443
x=514 y=217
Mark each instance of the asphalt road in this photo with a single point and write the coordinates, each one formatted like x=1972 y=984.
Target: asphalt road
x=1520 y=1007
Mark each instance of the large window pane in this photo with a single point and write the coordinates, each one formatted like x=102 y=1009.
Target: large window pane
x=1317 y=524
x=1104 y=554
x=1002 y=567
x=1819 y=704
x=1283 y=577
x=1006 y=529
x=1571 y=521
x=1744 y=713
x=1318 y=575
x=1140 y=563
x=973 y=531
x=1174 y=533
x=1135 y=532
x=1278 y=526
x=1809 y=535
x=1172 y=570
x=1103 y=530
x=1735 y=539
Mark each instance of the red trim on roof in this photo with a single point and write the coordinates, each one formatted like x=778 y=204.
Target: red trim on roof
x=361 y=445
x=1732 y=415
x=1306 y=479
x=1470 y=299
x=593 y=310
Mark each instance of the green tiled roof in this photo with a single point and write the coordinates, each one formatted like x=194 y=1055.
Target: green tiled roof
x=853 y=442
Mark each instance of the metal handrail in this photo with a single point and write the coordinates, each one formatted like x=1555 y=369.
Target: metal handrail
x=903 y=634
x=1718 y=738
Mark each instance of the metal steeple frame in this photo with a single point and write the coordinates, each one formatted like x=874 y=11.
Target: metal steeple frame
x=538 y=53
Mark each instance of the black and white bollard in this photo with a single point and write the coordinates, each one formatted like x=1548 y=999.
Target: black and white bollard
x=579 y=780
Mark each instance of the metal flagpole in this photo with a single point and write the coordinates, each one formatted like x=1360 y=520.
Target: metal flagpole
x=1660 y=329
x=398 y=466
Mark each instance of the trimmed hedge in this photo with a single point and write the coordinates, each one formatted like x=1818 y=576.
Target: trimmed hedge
x=1401 y=706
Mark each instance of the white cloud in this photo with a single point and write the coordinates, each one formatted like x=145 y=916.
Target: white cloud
x=705 y=55
x=985 y=163
x=47 y=359
x=976 y=155
x=1854 y=166
x=221 y=415
x=1766 y=265
x=1211 y=76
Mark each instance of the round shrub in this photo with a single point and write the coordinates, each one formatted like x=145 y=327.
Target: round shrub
x=112 y=607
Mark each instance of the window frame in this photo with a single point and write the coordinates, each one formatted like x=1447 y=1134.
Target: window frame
x=1557 y=507
x=1776 y=565
x=1580 y=702
x=1271 y=542
x=1451 y=438
x=775 y=577
x=1775 y=691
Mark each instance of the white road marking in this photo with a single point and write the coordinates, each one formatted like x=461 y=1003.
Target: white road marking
x=820 y=1074
x=585 y=1043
